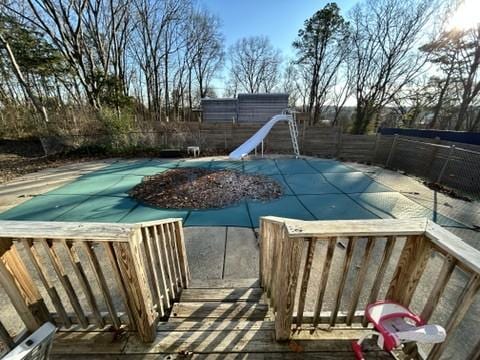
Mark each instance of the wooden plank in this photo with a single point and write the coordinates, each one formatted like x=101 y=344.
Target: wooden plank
x=174 y=253
x=345 y=228
x=410 y=267
x=120 y=284
x=387 y=253
x=245 y=341
x=65 y=281
x=41 y=272
x=153 y=270
x=312 y=242
x=159 y=265
x=222 y=295
x=324 y=279
x=101 y=281
x=322 y=355
x=182 y=253
x=219 y=311
x=16 y=297
x=290 y=258
x=25 y=285
x=465 y=254
x=66 y=230
x=437 y=291
x=463 y=304
x=167 y=260
x=346 y=266
x=224 y=283
x=135 y=281
x=71 y=343
x=360 y=280
x=84 y=282
x=206 y=325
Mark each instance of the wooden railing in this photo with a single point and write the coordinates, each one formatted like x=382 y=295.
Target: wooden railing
x=92 y=275
x=291 y=248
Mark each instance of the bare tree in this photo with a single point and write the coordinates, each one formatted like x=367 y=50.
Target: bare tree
x=206 y=52
x=254 y=64
x=385 y=34
x=321 y=48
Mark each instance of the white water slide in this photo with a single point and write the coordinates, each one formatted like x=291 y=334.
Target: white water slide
x=253 y=142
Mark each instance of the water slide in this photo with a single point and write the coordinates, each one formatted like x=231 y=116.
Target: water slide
x=257 y=138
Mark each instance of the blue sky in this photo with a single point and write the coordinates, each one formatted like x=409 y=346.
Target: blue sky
x=280 y=20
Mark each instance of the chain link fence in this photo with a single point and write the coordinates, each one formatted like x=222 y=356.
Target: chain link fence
x=450 y=166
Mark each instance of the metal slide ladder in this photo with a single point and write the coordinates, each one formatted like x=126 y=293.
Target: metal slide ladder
x=292 y=125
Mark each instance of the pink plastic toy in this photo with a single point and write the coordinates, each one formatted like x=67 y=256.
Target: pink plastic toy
x=394 y=325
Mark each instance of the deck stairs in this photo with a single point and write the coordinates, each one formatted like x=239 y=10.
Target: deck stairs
x=230 y=319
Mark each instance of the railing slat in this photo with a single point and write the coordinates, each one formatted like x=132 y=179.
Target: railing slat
x=24 y=282
x=65 y=281
x=387 y=253
x=102 y=283
x=120 y=284
x=176 y=259
x=171 y=258
x=84 y=283
x=463 y=304
x=447 y=269
x=305 y=278
x=42 y=273
x=156 y=247
x=163 y=246
x=359 y=282
x=346 y=266
x=152 y=268
x=182 y=253
x=332 y=242
x=276 y=265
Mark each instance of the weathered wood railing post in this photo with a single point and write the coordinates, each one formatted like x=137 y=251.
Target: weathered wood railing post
x=286 y=286
x=20 y=288
x=132 y=264
x=411 y=264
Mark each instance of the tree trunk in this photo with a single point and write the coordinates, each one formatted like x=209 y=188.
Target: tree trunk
x=438 y=106
x=18 y=73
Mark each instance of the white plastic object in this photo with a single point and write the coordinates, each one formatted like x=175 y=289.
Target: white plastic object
x=35 y=347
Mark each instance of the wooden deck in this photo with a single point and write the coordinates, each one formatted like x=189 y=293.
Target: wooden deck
x=228 y=323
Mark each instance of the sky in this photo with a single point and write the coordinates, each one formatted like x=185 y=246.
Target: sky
x=279 y=20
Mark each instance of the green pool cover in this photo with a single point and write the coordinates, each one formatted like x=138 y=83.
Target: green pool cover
x=314 y=189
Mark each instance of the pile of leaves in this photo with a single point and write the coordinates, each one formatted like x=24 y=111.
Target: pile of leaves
x=197 y=188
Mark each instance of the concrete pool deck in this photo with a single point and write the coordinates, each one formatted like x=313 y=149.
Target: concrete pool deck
x=223 y=252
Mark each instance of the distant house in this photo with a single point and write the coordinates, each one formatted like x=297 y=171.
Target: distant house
x=246 y=108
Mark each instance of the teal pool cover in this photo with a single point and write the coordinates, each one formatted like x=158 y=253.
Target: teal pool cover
x=314 y=189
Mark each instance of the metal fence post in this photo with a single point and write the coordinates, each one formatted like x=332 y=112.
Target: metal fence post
x=392 y=151
x=377 y=144
x=445 y=164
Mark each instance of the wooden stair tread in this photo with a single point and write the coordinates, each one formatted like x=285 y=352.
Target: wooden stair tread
x=219 y=311
x=224 y=283
x=247 y=341
x=334 y=344
x=222 y=295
